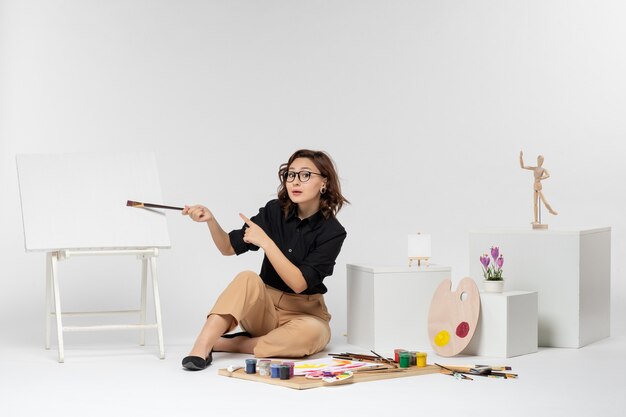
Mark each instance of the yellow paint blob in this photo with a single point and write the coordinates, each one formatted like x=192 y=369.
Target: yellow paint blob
x=442 y=338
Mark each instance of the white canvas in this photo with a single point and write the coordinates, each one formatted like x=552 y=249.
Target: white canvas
x=78 y=201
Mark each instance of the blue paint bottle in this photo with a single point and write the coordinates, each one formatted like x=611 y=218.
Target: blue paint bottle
x=251 y=366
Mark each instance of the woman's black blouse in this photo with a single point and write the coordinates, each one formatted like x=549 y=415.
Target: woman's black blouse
x=312 y=245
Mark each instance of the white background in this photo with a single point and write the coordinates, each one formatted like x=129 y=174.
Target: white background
x=424 y=105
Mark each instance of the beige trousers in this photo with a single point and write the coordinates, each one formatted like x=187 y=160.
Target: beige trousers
x=288 y=325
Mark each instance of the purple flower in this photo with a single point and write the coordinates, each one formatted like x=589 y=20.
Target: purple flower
x=495 y=251
x=484 y=260
x=492 y=265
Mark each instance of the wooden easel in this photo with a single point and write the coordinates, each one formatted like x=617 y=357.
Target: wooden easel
x=84 y=197
x=418 y=259
x=147 y=257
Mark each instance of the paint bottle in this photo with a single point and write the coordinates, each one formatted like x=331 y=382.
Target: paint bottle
x=421 y=359
x=413 y=358
x=264 y=367
x=275 y=370
x=405 y=359
x=396 y=354
x=284 y=371
x=251 y=366
x=291 y=365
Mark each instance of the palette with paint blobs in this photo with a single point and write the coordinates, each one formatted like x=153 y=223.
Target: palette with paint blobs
x=453 y=316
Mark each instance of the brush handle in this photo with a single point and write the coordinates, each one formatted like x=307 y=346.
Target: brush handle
x=161 y=206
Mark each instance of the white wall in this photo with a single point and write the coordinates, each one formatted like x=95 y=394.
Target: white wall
x=424 y=105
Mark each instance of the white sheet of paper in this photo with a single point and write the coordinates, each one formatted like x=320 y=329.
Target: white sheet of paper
x=328 y=364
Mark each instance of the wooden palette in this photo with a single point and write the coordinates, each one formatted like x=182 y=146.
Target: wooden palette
x=453 y=316
x=300 y=382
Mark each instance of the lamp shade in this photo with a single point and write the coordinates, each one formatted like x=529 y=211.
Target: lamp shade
x=419 y=246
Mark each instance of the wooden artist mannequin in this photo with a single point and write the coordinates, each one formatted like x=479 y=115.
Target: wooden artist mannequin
x=282 y=308
x=540 y=173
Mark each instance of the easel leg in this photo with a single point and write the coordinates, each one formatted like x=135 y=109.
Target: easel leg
x=144 y=288
x=48 y=296
x=57 y=304
x=157 y=306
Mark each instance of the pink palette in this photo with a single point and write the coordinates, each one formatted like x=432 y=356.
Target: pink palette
x=453 y=316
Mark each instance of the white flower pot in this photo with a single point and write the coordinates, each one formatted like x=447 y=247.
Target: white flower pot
x=493 y=286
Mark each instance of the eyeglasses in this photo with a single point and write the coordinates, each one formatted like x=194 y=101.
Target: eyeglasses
x=303 y=176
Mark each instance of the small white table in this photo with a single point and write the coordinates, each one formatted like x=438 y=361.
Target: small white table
x=507 y=325
x=571 y=270
x=388 y=305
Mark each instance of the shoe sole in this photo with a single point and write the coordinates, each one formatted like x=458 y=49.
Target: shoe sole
x=192 y=366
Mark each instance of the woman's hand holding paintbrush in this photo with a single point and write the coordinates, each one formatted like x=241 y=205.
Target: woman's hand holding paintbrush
x=198 y=213
x=201 y=214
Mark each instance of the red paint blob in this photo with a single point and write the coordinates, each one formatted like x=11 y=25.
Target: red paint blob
x=462 y=329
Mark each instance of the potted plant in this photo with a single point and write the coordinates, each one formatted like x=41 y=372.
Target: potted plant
x=492 y=270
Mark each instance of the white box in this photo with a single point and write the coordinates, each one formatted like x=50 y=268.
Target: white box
x=507 y=325
x=388 y=306
x=571 y=270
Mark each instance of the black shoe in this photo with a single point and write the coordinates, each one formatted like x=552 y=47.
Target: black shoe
x=196 y=363
x=233 y=335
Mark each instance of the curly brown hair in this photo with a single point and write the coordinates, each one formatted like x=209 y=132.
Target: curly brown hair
x=332 y=200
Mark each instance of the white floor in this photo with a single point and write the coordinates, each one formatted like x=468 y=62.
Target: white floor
x=118 y=380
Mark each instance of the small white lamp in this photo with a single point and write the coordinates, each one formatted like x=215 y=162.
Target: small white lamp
x=419 y=248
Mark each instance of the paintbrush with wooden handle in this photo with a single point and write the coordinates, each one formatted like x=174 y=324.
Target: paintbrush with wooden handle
x=138 y=204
